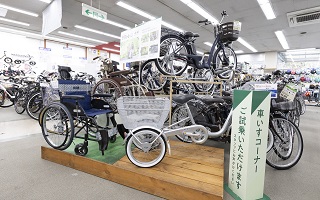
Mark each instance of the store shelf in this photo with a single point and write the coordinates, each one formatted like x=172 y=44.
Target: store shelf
x=190 y=172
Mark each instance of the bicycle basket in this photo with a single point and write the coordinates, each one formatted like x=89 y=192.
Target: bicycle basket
x=230 y=31
x=138 y=111
x=49 y=94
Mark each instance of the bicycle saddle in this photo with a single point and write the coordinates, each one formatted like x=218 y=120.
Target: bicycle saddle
x=212 y=100
x=190 y=34
x=123 y=72
x=181 y=99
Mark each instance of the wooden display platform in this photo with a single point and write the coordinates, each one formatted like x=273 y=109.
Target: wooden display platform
x=190 y=172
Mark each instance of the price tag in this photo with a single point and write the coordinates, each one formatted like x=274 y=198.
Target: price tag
x=237 y=26
x=288 y=93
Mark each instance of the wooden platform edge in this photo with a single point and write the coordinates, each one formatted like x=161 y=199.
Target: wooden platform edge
x=125 y=177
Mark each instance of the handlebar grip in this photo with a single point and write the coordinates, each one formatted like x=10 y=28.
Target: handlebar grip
x=224 y=13
x=96 y=58
x=203 y=21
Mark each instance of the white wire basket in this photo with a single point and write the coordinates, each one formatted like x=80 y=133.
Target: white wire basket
x=49 y=94
x=138 y=111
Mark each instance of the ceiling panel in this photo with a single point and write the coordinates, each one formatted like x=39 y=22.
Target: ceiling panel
x=256 y=29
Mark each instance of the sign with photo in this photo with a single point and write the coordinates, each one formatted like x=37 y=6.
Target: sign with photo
x=141 y=42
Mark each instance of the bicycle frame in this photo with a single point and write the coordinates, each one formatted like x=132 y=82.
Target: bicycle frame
x=6 y=92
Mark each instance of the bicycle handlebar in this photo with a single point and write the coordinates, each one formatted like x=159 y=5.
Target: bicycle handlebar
x=96 y=58
x=203 y=21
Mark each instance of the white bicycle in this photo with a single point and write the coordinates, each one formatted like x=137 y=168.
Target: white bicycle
x=147 y=142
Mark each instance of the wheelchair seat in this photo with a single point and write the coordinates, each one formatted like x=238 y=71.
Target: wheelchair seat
x=76 y=96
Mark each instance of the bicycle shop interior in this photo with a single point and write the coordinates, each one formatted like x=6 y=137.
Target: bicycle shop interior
x=135 y=99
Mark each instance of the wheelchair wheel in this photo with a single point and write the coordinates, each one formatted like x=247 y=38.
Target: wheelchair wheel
x=57 y=126
x=145 y=148
x=113 y=138
x=108 y=86
x=81 y=149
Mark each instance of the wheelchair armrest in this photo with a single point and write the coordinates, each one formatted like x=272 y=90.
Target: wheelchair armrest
x=76 y=97
x=102 y=95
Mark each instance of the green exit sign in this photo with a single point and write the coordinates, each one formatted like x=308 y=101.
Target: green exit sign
x=93 y=13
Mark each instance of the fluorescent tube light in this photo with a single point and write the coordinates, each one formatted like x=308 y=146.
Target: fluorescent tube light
x=199 y=52
x=146 y=15
x=19 y=10
x=307 y=49
x=96 y=31
x=208 y=43
x=81 y=37
x=116 y=45
x=282 y=39
x=171 y=26
x=290 y=56
x=116 y=24
x=14 y=21
x=266 y=7
x=246 y=44
x=46 y=1
x=135 y=10
x=29 y=34
x=108 y=49
x=239 y=51
x=198 y=9
x=68 y=41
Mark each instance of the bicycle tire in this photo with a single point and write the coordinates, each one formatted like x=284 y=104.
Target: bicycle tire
x=208 y=76
x=178 y=114
x=5 y=100
x=220 y=63
x=137 y=155
x=152 y=81
x=34 y=105
x=285 y=160
x=63 y=116
x=163 y=51
x=20 y=103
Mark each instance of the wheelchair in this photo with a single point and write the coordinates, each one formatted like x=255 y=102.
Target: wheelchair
x=77 y=110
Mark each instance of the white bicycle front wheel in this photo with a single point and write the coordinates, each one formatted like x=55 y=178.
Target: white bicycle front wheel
x=145 y=148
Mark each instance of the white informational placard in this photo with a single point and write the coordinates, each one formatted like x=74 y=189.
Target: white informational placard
x=141 y=43
x=250 y=122
x=52 y=17
x=267 y=87
x=93 y=13
x=288 y=92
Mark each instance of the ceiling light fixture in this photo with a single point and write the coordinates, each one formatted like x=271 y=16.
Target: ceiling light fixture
x=171 y=26
x=68 y=41
x=82 y=37
x=19 y=10
x=116 y=24
x=239 y=51
x=108 y=49
x=46 y=1
x=307 y=49
x=35 y=35
x=146 y=15
x=14 y=21
x=96 y=31
x=208 y=43
x=116 y=45
x=135 y=10
x=246 y=44
x=266 y=7
x=198 y=9
x=282 y=39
